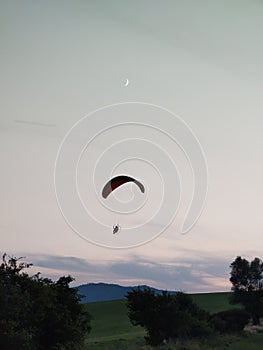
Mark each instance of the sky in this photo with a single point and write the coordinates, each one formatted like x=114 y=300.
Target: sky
x=68 y=123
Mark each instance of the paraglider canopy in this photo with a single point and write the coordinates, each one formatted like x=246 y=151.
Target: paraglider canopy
x=118 y=181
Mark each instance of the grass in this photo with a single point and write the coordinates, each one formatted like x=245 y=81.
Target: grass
x=213 y=302
x=110 y=321
x=112 y=330
x=251 y=342
x=242 y=342
x=248 y=342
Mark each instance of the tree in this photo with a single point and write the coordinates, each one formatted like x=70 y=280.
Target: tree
x=247 y=286
x=166 y=317
x=37 y=313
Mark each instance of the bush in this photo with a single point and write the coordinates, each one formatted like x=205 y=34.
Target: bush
x=230 y=321
x=167 y=317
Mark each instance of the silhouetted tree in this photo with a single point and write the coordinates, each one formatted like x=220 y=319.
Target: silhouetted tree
x=166 y=317
x=37 y=313
x=247 y=286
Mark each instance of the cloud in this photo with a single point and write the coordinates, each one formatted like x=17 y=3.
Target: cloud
x=31 y=122
x=64 y=263
x=196 y=275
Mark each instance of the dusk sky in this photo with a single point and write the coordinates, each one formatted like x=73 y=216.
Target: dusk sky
x=194 y=103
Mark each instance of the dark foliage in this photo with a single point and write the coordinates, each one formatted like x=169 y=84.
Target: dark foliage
x=37 y=313
x=166 y=317
x=230 y=321
x=247 y=286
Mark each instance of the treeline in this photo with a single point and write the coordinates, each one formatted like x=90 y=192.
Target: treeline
x=169 y=318
x=37 y=313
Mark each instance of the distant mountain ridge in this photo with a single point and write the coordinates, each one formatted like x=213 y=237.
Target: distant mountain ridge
x=93 y=292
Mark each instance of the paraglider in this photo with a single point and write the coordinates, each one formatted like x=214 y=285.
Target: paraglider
x=114 y=183
x=117 y=181
x=116 y=229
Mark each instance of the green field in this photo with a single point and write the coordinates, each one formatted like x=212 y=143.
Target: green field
x=112 y=330
x=213 y=302
x=110 y=320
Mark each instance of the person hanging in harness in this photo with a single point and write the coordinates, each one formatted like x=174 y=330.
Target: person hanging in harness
x=116 y=229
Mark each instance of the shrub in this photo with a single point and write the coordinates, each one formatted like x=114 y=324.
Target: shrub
x=230 y=321
x=167 y=317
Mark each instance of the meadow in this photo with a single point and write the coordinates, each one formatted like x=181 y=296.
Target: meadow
x=112 y=330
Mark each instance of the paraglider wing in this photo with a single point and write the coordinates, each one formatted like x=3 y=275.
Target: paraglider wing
x=117 y=181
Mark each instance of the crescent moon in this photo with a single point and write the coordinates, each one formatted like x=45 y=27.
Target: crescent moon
x=126 y=82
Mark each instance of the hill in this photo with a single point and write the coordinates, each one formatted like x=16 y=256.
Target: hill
x=110 y=320
x=95 y=292
x=112 y=330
